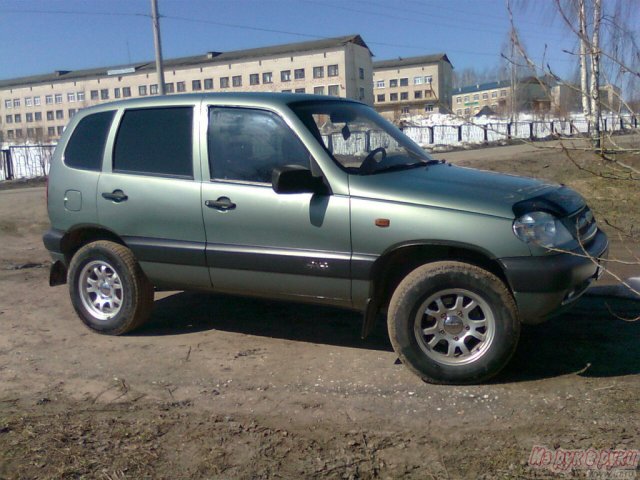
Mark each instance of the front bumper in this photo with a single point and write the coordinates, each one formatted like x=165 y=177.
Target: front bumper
x=543 y=284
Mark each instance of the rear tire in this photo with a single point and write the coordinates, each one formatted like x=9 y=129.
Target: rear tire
x=108 y=289
x=453 y=323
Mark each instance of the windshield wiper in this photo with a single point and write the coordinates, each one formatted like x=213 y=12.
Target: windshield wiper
x=406 y=166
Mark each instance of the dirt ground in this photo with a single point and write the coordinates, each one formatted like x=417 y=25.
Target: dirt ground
x=227 y=387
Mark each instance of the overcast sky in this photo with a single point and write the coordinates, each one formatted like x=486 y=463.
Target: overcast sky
x=40 y=36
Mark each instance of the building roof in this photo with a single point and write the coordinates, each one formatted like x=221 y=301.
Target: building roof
x=184 y=62
x=411 y=61
x=480 y=87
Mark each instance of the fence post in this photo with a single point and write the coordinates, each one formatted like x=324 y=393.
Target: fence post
x=509 y=130
x=367 y=141
x=9 y=164
x=635 y=121
x=431 y=136
x=460 y=133
x=552 y=130
x=485 y=134
x=330 y=142
x=531 y=131
x=621 y=124
x=604 y=121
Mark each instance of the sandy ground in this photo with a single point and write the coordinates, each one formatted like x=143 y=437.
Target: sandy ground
x=227 y=387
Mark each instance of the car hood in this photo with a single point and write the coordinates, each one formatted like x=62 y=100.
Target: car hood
x=460 y=188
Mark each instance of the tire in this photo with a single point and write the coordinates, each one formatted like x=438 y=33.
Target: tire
x=108 y=289
x=453 y=323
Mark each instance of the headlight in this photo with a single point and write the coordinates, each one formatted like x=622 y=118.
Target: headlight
x=541 y=228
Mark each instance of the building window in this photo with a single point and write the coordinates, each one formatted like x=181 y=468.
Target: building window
x=80 y=96
x=393 y=83
x=126 y=92
x=28 y=102
x=380 y=84
x=237 y=80
x=38 y=116
x=466 y=99
x=466 y=111
x=153 y=89
x=332 y=71
x=10 y=134
x=361 y=73
x=380 y=97
x=404 y=95
x=404 y=82
x=58 y=98
x=181 y=87
x=224 y=82
x=94 y=94
x=48 y=99
x=104 y=94
x=60 y=130
x=36 y=101
x=196 y=85
x=9 y=119
x=405 y=110
x=300 y=90
x=318 y=90
x=254 y=79
x=16 y=103
x=417 y=94
x=18 y=133
x=485 y=96
x=29 y=117
x=428 y=79
x=31 y=132
x=267 y=77
x=361 y=93
x=17 y=118
x=50 y=115
x=503 y=93
x=8 y=104
x=459 y=111
x=116 y=93
x=71 y=97
x=428 y=108
x=286 y=90
x=298 y=73
x=476 y=97
x=142 y=90
x=208 y=83
x=59 y=115
x=458 y=99
x=494 y=94
x=334 y=90
x=72 y=112
x=393 y=97
x=417 y=80
x=285 y=76
x=169 y=87
x=318 y=72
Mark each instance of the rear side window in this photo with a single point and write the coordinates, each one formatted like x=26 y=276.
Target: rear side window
x=155 y=141
x=86 y=145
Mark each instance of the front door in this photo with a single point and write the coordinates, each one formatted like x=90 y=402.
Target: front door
x=261 y=242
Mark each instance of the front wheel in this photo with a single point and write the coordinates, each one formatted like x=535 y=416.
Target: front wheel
x=108 y=289
x=452 y=322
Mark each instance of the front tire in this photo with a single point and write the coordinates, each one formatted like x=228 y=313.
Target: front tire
x=453 y=323
x=108 y=289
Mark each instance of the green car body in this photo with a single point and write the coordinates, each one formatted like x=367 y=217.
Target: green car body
x=327 y=232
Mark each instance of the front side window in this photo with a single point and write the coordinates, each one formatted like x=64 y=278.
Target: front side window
x=196 y=85
x=332 y=71
x=318 y=90
x=155 y=141
x=237 y=80
x=285 y=76
x=404 y=82
x=393 y=83
x=142 y=90
x=80 y=96
x=246 y=145
x=58 y=98
x=417 y=80
x=254 y=79
x=104 y=94
x=208 y=83
x=86 y=145
x=181 y=87
x=48 y=99
x=344 y=128
x=153 y=89
x=8 y=104
x=318 y=72
x=224 y=82
x=380 y=84
x=267 y=77
x=334 y=90
x=126 y=92
x=298 y=73
x=71 y=97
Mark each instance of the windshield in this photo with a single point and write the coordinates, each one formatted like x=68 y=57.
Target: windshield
x=360 y=140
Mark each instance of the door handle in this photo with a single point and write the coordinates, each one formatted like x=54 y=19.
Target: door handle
x=116 y=196
x=223 y=204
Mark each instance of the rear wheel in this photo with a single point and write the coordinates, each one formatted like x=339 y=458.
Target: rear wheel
x=108 y=289
x=451 y=322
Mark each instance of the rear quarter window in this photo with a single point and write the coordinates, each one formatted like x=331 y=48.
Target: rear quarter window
x=86 y=145
x=155 y=141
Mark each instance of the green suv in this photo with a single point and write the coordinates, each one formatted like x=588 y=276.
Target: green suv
x=314 y=199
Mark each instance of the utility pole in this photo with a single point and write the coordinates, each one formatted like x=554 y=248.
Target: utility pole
x=158 y=46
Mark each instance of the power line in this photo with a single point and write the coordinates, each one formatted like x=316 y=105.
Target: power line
x=70 y=12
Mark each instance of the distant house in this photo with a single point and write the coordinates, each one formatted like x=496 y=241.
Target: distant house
x=412 y=86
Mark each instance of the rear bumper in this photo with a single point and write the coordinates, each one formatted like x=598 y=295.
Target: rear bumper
x=543 y=285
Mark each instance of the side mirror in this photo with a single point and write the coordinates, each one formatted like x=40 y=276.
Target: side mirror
x=296 y=179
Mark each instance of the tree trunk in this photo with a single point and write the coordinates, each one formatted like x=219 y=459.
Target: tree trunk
x=595 y=73
x=584 y=78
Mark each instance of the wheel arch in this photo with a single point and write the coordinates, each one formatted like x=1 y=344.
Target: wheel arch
x=80 y=235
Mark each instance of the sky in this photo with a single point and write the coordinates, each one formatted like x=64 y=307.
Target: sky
x=40 y=36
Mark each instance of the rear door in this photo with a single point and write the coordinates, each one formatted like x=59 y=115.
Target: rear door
x=261 y=242
x=149 y=193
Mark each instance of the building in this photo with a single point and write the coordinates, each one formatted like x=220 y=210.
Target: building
x=37 y=108
x=412 y=86
x=469 y=100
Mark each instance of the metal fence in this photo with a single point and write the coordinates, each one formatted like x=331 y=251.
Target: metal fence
x=25 y=161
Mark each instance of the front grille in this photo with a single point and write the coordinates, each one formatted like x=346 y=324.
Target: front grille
x=582 y=225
